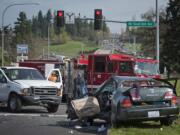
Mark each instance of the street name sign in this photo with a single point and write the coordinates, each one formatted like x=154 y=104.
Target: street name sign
x=141 y=23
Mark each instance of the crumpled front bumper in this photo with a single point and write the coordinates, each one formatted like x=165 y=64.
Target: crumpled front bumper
x=41 y=100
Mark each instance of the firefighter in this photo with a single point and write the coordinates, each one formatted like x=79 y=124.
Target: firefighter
x=80 y=89
x=53 y=77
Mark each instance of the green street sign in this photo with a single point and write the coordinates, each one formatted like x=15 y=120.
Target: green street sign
x=141 y=23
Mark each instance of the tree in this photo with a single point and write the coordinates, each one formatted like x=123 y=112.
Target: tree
x=170 y=50
x=22 y=32
x=40 y=24
x=147 y=36
x=23 y=28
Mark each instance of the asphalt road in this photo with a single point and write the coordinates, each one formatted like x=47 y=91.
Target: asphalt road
x=37 y=121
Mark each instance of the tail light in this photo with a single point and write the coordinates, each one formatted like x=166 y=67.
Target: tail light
x=126 y=103
x=168 y=95
x=174 y=100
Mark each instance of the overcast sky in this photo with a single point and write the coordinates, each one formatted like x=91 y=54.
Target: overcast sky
x=121 y=10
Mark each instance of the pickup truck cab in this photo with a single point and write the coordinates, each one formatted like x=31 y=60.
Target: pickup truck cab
x=22 y=86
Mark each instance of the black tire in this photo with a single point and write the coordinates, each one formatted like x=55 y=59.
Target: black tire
x=14 y=103
x=166 y=121
x=90 y=121
x=52 y=108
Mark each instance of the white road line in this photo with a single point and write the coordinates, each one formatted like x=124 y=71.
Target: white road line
x=33 y=115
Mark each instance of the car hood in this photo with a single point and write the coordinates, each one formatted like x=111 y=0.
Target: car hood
x=35 y=83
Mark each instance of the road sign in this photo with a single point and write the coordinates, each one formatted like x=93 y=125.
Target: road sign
x=141 y=23
x=22 y=49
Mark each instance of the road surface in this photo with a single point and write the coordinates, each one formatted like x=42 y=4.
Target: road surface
x=37 y=121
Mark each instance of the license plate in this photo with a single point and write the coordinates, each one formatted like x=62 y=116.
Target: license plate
x=153 y=114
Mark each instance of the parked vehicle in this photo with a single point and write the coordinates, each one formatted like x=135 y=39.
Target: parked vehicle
x=44 y=66
x=103 y=66
x=123 y=99
x=21 y=86
x=47 y=67
x=147 y=67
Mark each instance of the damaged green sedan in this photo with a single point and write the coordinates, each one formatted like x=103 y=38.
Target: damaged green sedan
x=123 y=99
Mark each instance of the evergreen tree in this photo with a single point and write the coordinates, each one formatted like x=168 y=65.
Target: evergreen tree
x=22 y=32
x=170 y=50
x=40 y=24
x=23 y=29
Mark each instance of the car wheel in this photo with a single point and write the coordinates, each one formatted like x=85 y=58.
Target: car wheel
x=14 y=103
x=166 y=121
x=52 y=108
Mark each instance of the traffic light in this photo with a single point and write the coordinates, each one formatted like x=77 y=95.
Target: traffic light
x=60 y=18
x=97 y=19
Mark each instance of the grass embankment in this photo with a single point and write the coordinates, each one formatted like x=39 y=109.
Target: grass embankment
x=71 y=48
x=178 y=88
x=148 y=128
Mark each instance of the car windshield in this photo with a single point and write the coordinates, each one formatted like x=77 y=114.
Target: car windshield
x=24 y=74
x=146 y=68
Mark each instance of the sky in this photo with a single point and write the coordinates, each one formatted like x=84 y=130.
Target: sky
x=119 y=10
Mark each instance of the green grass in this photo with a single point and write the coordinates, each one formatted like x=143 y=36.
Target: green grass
x=132 y=47
x=71 y=48
x=178 y=88
x=147 y=128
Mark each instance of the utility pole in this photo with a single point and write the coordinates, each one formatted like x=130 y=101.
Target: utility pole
x=157 y=33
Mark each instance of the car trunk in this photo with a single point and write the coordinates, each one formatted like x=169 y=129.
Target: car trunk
x=150 y=95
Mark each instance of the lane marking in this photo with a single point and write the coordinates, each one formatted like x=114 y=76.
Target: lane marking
x=34 y=115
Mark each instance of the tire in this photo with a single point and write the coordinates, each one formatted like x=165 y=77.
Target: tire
x=14 y=103
x=52 y=108
x=166 y=121
x=90 y=121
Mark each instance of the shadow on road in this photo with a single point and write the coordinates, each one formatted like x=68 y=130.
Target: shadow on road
x=26 y=110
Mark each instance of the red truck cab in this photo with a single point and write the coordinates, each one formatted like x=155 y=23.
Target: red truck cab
x=147 y=67
x=102 y=66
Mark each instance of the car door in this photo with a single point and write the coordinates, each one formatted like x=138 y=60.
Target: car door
x=4 y=87
x=58 y=81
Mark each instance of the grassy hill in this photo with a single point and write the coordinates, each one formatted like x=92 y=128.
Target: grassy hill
x=71 y=48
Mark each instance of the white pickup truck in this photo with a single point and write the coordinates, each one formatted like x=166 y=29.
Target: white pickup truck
x=21 y=86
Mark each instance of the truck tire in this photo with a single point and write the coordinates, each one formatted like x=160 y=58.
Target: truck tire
x=14 y=103
x=52 y=108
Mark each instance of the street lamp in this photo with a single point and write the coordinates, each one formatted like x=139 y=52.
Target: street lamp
x=4 y=11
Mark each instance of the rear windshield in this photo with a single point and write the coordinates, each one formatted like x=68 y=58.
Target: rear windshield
x=23 y=74
x=143 y=83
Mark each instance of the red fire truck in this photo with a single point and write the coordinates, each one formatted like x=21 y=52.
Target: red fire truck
x=44 y=66
x=147 y=67
x=102 y=66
